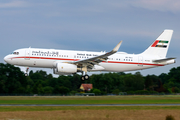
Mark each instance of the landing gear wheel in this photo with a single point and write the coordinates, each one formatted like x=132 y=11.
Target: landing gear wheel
x=82 y=78
x=25 y=74
x=86 y=77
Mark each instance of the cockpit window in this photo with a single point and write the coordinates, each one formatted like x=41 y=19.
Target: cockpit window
x=15 y=53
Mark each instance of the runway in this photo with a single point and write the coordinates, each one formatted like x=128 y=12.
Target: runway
x=56 y=105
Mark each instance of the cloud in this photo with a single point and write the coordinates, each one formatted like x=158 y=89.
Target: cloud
x=160 y=5
x=154 y=5
x=13 y=4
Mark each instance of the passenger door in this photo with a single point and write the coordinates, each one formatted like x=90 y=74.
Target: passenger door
x=27 y=54
x=140 y=61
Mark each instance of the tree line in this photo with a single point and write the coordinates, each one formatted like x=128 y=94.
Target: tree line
x=13 y=81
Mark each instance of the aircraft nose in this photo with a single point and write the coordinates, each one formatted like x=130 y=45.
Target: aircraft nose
x=6 y=59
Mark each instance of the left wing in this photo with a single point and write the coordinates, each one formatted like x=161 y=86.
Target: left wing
x=90 y=62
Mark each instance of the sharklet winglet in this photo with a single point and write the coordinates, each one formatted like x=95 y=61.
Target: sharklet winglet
x=117 y=47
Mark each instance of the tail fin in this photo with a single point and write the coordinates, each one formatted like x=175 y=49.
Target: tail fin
x=160 y=45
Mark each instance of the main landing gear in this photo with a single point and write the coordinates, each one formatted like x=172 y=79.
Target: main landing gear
x=84 y=77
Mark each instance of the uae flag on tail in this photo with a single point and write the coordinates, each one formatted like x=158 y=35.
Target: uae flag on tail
x=160 y=43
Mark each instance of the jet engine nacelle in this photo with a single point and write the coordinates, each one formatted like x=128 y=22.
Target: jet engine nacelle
x=65 y=69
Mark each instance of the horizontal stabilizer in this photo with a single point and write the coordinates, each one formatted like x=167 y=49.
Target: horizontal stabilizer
x=163 y=60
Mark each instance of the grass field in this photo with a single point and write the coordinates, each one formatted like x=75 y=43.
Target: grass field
x=90 y=112
x=137 y=99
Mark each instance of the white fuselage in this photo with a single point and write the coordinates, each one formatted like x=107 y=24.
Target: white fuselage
x=66 y=62
x=46 y=58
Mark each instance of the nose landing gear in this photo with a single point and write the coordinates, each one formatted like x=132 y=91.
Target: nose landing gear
x=26 y=73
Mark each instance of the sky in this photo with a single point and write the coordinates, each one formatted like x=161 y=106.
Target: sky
x=89 y=25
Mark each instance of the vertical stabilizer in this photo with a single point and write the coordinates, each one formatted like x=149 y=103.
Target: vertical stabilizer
x=160 y=46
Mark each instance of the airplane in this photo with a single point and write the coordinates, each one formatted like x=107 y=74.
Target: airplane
x=66 y=62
